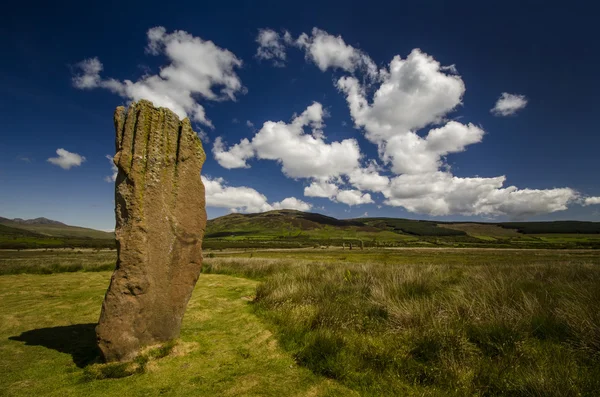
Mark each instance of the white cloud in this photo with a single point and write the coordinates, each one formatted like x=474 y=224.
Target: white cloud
x=321 y=189
x=411 y=154
x=328 y=51
x=271 y=46
x=236 y=156
x=292 y=203
x=591 y=201
x=307 y=155
x=66 y=159
x=414 y=93
x=245 y=199
x=335 y=194
x=353 y=197
x=509 y=104
x=196 y=69
x=236 y=199
x=90 y=77
x=301 y=154
x=249 y=124
x=113 y=168
x=368 y=179
x=441 y=193
x=392 y=106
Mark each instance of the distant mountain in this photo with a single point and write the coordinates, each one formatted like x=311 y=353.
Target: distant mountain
x=289 y=228
x=275 y=222
x=36 y=221
x=49 y=227
x=286 y=220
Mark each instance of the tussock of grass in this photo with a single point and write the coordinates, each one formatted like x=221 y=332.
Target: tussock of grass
x=111 y=371
x=507 y=329
x=139 y=365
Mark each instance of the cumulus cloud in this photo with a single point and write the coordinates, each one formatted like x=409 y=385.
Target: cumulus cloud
x=197 y=68
x=334 y=193
x=509 y=104
x=353 y=197
x=90 y=74
x=591 y=201
x=245 y=199
x=321 y=189
x=271 y=46
x=66 y=159
x=236 y=156
x=301 y=154
x=393 y=106
x=441 y=193
x=305 y=154
x=411 y=154
x=328 y=51
x=113 y=168
x=414 y=93
x=368 y=178
x=292 y=203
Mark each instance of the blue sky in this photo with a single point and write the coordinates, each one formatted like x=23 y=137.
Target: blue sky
x=384 y=124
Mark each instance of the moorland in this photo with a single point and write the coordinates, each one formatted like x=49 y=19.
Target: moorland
x=319 y=321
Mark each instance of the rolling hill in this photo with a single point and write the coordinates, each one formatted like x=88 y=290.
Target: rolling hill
x=48 y=227
x=293 y=229
x=45 y=233
x=290 y=228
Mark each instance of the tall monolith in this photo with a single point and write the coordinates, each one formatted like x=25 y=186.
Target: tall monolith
x=161 y=218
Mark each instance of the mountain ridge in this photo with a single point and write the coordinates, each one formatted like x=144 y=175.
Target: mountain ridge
x=48 y=227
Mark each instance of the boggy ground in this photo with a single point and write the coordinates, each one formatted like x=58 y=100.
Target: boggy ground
x=326 y=322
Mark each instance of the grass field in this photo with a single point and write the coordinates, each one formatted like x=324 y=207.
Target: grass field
x=47 y=342
x=422 y=322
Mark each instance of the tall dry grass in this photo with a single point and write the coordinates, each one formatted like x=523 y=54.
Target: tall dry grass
x=384 y=329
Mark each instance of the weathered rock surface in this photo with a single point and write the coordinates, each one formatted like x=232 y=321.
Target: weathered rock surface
x=161 y=218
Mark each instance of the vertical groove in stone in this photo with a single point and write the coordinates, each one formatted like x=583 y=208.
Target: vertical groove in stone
x=134 y=134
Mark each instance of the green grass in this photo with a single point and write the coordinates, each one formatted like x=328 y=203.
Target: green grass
x=56 y=261
x=414 y=227
x=421 y=256
x=481 y=230
x=477 y=328
x=47 y=344
x=415 y=322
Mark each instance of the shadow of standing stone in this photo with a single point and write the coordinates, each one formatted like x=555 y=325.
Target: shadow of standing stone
x=78 y=340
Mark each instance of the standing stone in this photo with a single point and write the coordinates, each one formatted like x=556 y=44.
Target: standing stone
x=161 y=218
